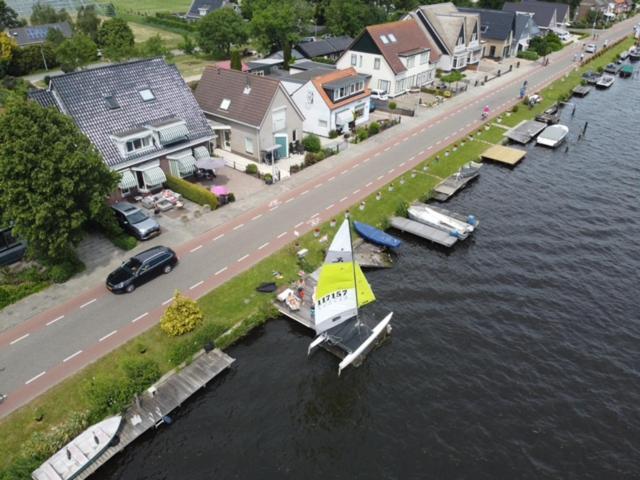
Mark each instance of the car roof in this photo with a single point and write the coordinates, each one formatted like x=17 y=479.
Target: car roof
x=124 y=207
x=152 y=252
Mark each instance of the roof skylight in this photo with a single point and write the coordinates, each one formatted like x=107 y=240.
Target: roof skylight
x=147 y=95
x=384 y=39
x=112 y=103
x=392 y=37
x=225 y=104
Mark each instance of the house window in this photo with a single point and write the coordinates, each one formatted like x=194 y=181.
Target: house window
x=322 y=123
x=354 y=59
x=137 y=144
x=384 y=85
x=376 y=64
x=384 y=39
x=358 y=111
x=400 y=85
x=392 y=37
x=279 y=120
x=224 y=105
x=352 y=88
x=360 y=86
x=310 y=97
x=360 y=64
x=424 y=58
x=147 y=95
x=341 y=93
x=411 y=61
x=248 y=145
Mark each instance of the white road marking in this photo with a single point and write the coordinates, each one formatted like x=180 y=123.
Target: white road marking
x=421 y=152
x=438 y=142
x=139 y=317
x=304 y=193
x=369 y=184
x=264 y=245
x=366 y=160
x=238 y=226
x=332 y=179
x=377 y=154
x=220 y=271
x=196 y=285
x=34 y=378
x=414 y=134
x=330 y=206
x=380 y=177
x=72 y=356
x=282 y=235
x=88 y=303
x=395 y=145
x=19 y=338
x=355 y=166
x=314 y=215
x=244 y=257
x=296 y=233
x=274 y=208
x=391 y=170
x=423 y=130
x=318 y=185
x=289 y=200
x=447 y=137
x=403 y=163
x=344 y=171
x=54 y=320
x=405 y=139
x=256 y=217
x=218 y=237
x=108 y=335
x=195 y=249
x=169 y=300
x=298 y=225
x=356 y=191
x=429 y=147
x=343 y=199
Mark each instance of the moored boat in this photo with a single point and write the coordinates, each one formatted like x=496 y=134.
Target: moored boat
x=553 y=136
x=612 y=68
x=375 y=235
x=80 y=452
x=634 y=54
x=605 y=81
x=624 y=55
x=427 y=215
x=627 y=71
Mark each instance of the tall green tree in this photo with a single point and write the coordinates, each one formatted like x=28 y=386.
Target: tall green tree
x=55 y=37
x=236 y=60
x=221 y=29
x=52 y=179
x=42 y=13
x=349 y=17
x=280 y=24
x=116 y=39
x=88 y=21
x=154 y=46
x=76 y=52
x=8 y=17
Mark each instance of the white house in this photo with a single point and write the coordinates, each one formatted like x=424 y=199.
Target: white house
x=398 y=56
x=454 y=33
x=337 y=100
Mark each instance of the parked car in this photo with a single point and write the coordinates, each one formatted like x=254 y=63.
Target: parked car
x=379 y=94
x=11 y=249
x=135 y=221
x=591 y=48
x=141 y=268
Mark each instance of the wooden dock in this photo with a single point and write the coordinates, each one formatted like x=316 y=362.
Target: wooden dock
x=161 y=399
x=525 y=131
x=505 y=155
x=368 y=255
x=423 y=231
x=452 y=185
x=581 y=90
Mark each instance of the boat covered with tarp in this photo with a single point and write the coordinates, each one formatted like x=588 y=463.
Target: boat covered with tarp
x=375 y=235
x=553 y=136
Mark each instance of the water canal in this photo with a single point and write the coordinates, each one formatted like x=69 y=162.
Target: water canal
x=516 y=355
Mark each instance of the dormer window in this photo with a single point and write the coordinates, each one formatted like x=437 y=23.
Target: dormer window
x=137 y=144
x=203 y=11
x=225 y=104
x=147 y=95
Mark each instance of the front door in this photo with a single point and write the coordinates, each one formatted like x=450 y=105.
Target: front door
x=281 y=141
x=226 y=140
x=492 y=51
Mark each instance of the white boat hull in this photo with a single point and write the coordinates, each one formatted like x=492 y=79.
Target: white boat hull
x=377 y=332
x=428 y=216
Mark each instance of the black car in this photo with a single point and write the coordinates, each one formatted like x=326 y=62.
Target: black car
x=141 y=268
x=135 y=221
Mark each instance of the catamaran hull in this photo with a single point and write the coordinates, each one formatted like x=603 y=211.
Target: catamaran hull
x=377 y=333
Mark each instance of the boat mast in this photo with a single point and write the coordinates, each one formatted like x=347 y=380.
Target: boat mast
x=355 y=278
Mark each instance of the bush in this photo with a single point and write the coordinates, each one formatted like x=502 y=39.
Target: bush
x=268 y=179
x=171 y=21
x=333 y=134
x=182 y=316
x=124 y=241
x=190 y=191
x=251 y=169
x=141 y=373
x=231 y=197
x=374 y=128
x=311 y=158
x=107 y=395
x=29 y=59
x=362 y=134
x=61 y=272
x=528 y=55
x=392 y=105
x=312 y=143
x=327 y=152
x=514 y=109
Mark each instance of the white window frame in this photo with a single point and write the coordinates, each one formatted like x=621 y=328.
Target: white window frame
x=322 y=123
x=144 y=143
x=424 y=58
x=376 y=63
x=354 y=59
x=411 y=61
x=278 y=124
x=248 y=145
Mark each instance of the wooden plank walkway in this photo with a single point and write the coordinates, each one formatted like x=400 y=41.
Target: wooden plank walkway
x=161 y=399
x=525 y=131
x=423 y=231
x=451 y=185
x=505 y=155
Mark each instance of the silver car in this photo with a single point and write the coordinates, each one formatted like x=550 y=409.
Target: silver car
x=135 y=221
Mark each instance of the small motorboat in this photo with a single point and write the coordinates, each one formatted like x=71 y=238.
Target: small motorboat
x=627 y=71
x=375 y=235
x=550 y=116
x=634 y=54
x=605 y=81
x=591 y=77
x=470 y=169
x=553 y=136
x=434 y=217
x=624 y=55
x=612 y=68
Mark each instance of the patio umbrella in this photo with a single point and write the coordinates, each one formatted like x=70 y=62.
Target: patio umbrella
x=210 y=163
x=219 y=190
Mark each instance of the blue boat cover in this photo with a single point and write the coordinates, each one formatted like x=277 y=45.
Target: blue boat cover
x=375 y=235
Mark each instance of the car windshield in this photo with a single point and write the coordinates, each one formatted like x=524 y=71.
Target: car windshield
x=137 y=217
x=132 y=265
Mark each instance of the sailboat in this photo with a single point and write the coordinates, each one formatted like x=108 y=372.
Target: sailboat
x=341 y=290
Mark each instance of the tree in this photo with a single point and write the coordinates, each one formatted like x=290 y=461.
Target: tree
x=7 y=46
x=219 y=30
x=187 y=45
x=55 y=37
x=349 y=17
x=182 y=316
x=88 y=21
x=236 y=60
x=76 y=52
x=116 y=39
x=154 y=47
x=9 y=17
x=52 y=180
x=45 y=13
x=279 y=24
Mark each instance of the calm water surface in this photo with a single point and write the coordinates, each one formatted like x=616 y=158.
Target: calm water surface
x=515 y=356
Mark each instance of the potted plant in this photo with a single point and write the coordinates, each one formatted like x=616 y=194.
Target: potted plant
x=268 y=179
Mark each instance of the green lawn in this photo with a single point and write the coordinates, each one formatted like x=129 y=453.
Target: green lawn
x=143 y=32
x=191 y=65
x=49 y=421
x=151 y=6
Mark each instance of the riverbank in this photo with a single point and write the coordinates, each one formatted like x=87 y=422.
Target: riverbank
x=237 y=300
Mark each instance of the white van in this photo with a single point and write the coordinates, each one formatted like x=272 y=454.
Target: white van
x=379 y=94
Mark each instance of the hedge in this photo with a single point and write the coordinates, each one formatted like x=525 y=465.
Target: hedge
x=192 y=192
x=528 y=55
x=312 y=143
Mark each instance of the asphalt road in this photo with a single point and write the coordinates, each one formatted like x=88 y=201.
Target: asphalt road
x=45 y=349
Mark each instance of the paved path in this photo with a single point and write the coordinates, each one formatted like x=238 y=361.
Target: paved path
x=53 y=344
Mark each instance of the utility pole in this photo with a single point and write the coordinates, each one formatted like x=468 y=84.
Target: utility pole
x=44 y=60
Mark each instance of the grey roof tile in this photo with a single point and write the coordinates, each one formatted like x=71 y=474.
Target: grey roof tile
x=494 y=24
x=326 y=46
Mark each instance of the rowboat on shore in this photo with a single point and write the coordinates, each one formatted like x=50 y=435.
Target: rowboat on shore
x=375 y=235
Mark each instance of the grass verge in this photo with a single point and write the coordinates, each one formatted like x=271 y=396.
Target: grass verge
x=32 y=433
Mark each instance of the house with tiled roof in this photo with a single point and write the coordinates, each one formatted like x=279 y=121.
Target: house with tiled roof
x=330 y=47
x=454 y=33
x=397 y=56
x=497 y=29
x=37 y=34
x=253 y=115
x=336 y=100
x=201 y=8
x=141 y=117
x=547 y=15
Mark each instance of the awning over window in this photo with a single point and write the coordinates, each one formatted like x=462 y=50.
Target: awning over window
x=128 y=180
x=201 y=152
x=173 y=133
x=344 y=117
x=217 y=125
x=186 y=165
x=153 y=176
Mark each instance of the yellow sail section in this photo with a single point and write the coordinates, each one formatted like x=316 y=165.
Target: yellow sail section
x=365 y=294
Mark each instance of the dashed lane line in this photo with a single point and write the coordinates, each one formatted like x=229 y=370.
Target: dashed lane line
x=356 y=191
x=256 y=217
x=289 y=200
x=218 y=237
x=195 y=249
x=391 y=170
x=274 y=208
x=332 y=179
x=298 y=225
x=73 y=355
x=33 y=379
x=167 y=301
x=314 y=215
x=369 y=184
x=139 y=317
x=244 y=257
x=88 y=303
x=330 y=206
x=221 y=271
x=196 y=285
x=344 y=199
x=281 y=235
x=238 y=226
x=264 y=245
x=304 y=193
x=51 y=322
x=318 y=185
x=19 y=338
x=380 y=177
x=107 y=336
